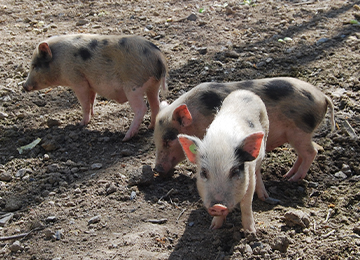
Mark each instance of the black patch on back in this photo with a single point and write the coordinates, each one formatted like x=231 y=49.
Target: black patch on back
x=308 y=95
x=93 y=44
x=278 y=89
x=245 y=84
x=123 y=43
x=211 y=100
x=105 y=42
x=170 y=134
x=243 y=156
x=310 y=120
x=84 y=53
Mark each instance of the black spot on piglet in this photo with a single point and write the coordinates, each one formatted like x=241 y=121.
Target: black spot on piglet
x=243 y=156
x=211 y=100
x=277 y=89
x=93 y=44
x=84 y=53
x=310 y=120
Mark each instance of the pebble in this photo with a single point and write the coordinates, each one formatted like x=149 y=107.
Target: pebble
x=281 y=244
x=143 y=177
x=133 y=195
x=16 y=246
x=96 y=166
x=20 y=173
x=297 y=218
x=49 y=234
x=5 y=219
x=3 y=115
x=51 y=219
x=111 y=189
x=340 y=175
x=202 y=50
x=192 y=17
x=5 y=176
x=94 y=220
x=59 y=234
x=81 y=22
x=322 y=40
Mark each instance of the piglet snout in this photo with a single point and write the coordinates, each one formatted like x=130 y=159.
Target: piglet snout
x=218 y=210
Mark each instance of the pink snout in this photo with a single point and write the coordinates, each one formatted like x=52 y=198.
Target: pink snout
x=218 y=210
x=27 y=87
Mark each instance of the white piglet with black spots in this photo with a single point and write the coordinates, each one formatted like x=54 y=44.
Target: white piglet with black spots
x=229 y=157
x=121 y=68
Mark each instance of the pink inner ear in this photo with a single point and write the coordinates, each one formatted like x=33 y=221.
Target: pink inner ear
x=182 y=114
x=186 y=143
x=44 y=47
x=252 y=144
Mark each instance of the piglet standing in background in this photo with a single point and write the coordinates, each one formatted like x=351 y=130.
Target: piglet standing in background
x=229 y=157
x=121 y=68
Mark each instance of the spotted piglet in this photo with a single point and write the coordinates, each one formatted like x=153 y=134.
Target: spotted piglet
x=121 y=68
x=229 y=157
x=295 y=109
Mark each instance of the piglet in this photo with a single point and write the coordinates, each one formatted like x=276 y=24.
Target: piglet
x=121 y=68
x=229 y=157
x=295 y=109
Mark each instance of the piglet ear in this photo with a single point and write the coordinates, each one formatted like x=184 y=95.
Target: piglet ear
x=182 y=115
x=252 y=144
x=189 y=146
x=44 y=51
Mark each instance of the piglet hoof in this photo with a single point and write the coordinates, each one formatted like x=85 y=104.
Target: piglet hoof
x=272 y=201
x=217 y=222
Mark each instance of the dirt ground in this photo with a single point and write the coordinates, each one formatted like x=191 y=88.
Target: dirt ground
x=73 y=196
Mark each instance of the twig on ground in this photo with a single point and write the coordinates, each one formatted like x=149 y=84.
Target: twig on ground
x=22 y=235
x=328 y=234
x=328 y=215
x=182 y=212
x=167 y=194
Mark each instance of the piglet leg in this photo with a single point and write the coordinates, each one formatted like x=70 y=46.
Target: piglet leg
x=137 y=104
x=86 y=97
x=152 y=94
x=260 y=187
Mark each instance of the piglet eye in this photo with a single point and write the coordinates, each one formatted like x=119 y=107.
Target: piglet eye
x=204 y=173
x=236 y=171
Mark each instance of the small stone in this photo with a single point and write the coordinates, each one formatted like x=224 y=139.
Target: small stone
x=111 y=189
x=96 y=166
x=322 y=40
x=192 y=17
x=132 y=195
x=126 y=152
x=281 y=244
x=5 y=219
x=340 y=175
x=5 y=176
x=145 y=177
x=20 y=173
x=81 y=22
x=52 y=122
x=232 y=54
x=202 y=50
x=59 y=234
x=49 y=146
x=3 y=115
x=229 y=10
x=297 y=218
x=94 y=220
x=51 y=219
x=16 y=246
x=49 y=234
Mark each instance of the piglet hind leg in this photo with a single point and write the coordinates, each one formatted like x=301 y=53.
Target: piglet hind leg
x=136 y=100
x=306 y=155
x=86 y=97
x=152 y=93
